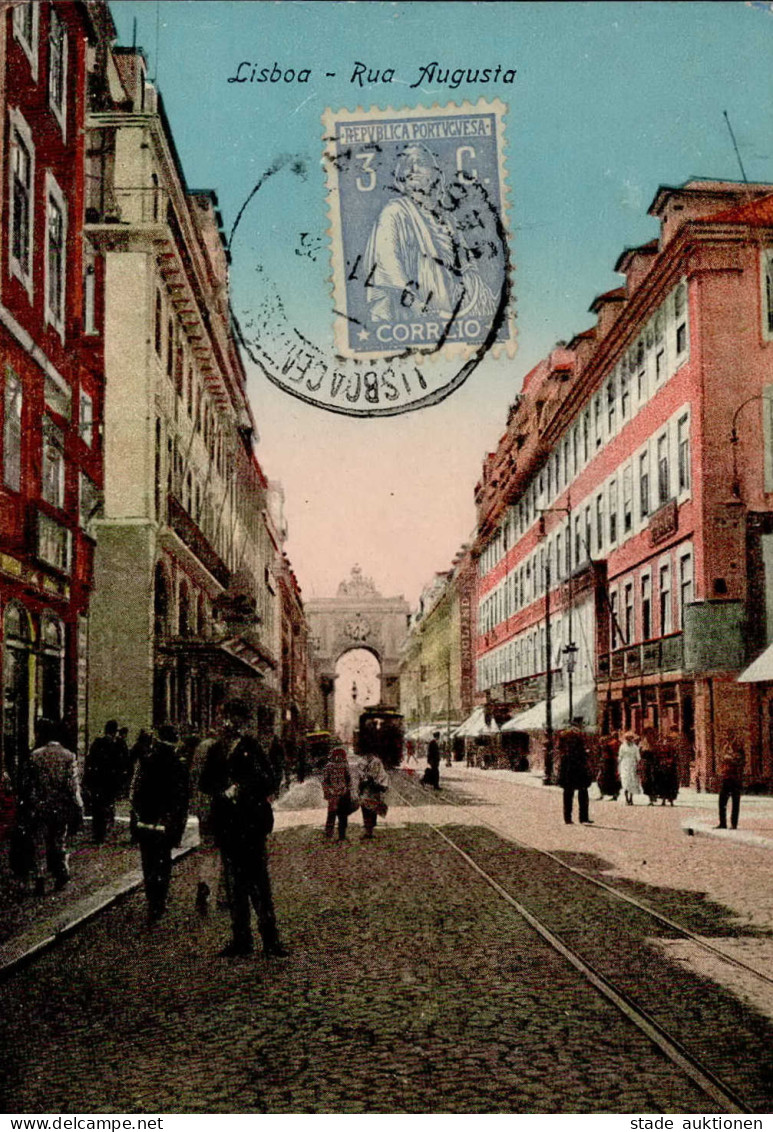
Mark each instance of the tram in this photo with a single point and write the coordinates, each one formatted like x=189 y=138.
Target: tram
x=381 y=733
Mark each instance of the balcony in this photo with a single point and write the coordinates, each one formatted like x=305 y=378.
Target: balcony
x=665 y=654
x=128 y=207
x=196 y=541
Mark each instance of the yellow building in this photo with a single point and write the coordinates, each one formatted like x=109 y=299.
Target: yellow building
x=185 y=607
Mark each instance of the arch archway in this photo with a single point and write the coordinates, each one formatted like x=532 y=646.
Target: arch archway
x=357 y=684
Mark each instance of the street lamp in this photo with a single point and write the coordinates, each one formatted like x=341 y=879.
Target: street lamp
x=570 y=662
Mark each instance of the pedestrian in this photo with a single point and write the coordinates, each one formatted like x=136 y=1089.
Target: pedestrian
x=240 y=779
x=373 y=785
x=574 y=772
x=647 y=769
x=102 y=780
x=608 y=778
x=628 y=767
x=56 y=807
x=731 y=768
x=209 y=869
x=666 y=771
x=159 y=809
x=337 y=789
x=431 y=775
x=277 y=757
x=7 y=808
x=684 y=755
x=125 y=762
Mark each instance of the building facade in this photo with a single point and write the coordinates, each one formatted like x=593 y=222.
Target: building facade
x=625 y=518
x=186 y=606
x=436 y=670
x=51 y=370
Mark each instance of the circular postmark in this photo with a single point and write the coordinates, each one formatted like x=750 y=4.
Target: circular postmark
x=420 y=267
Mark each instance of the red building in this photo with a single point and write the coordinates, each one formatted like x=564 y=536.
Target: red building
x=51 y=373
x=626 y=519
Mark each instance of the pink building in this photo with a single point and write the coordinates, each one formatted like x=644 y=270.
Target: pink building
x=625 y=540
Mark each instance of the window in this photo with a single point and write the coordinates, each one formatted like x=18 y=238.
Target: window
x=665 y=599
x=89 y=501
x=681 y=338
x=568 y=549
x=611 y=405
x=628 y=628
x=685 y=584
x=646 y=607
x=22 y=165
x=56 y=236
x=57 y=66
x=644 y=485
x=663 y=475
x=559 y=564
x=627 y=500
x=660 y=365
x=768 y=315
x=613 y=512
x=625 y=397
x=25 y=30
x=52 y=464
x=86 y=419
x=159 y=324
x=53 y=543
x=12 y=403
x=683 y=453
x=599 y=523
x=587 y=534
x=586 y=436
x=578 y=555
x=680 y=312
x=170 y=348
x=597 y=421
x=89 y=294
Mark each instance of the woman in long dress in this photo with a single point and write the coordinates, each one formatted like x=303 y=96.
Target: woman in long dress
x=628 y=767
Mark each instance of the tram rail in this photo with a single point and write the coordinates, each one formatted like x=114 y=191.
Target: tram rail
x=722 y=1094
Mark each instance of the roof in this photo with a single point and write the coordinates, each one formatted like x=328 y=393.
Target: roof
x=760 y=670
x=756 y=212
x=650 y=248
x=617 y=295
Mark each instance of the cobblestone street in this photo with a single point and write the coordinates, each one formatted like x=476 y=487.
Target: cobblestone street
x=411 y=986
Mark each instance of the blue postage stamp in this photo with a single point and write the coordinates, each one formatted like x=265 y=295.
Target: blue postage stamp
x=420 y=258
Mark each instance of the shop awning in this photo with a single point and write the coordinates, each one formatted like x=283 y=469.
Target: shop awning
x=760 y=670
x=583 y=707
x=475 y=725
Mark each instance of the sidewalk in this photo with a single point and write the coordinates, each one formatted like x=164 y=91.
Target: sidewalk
x=755 y=821
x=99 y=875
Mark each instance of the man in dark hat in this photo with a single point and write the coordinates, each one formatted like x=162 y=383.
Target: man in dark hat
x=575 y=773
x=241 y=781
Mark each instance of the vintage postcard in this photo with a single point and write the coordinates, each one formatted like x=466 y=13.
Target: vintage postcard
x=386 y=563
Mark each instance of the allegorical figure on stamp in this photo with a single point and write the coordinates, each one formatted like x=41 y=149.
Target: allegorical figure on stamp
x=416 y=260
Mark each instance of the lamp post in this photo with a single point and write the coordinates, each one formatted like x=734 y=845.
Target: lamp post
x=570 y=660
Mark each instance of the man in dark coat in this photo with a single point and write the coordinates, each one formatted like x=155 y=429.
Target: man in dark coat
x=102 y=779
x=574 y=773
x=241 y=780
x=159 y=801
x=731 y=767
x=432 y=773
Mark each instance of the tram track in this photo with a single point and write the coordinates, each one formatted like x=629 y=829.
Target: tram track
x=719 y=1091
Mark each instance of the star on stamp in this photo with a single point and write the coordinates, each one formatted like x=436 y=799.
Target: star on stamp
x=416 y=201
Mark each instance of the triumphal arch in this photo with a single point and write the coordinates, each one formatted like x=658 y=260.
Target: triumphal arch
x=358 y=617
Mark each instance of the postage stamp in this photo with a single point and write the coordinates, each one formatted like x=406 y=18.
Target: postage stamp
x=418 y=239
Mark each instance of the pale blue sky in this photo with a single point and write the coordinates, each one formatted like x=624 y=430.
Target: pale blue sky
x=610 y=101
